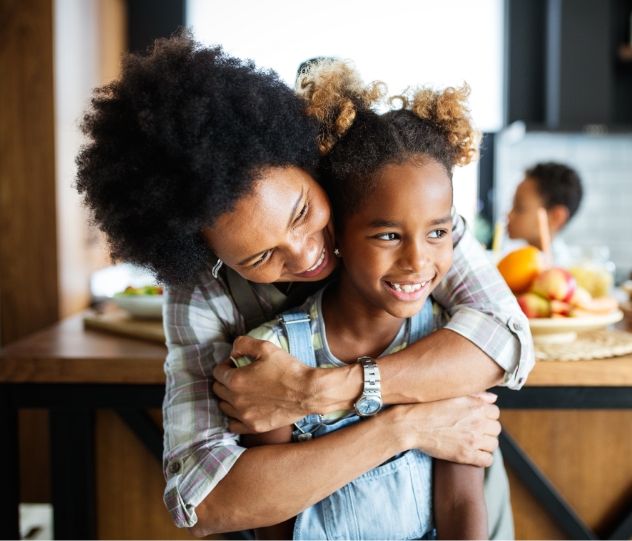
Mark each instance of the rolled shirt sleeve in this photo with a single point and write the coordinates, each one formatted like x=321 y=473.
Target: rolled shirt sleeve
x=199 y=449
x=483 y=309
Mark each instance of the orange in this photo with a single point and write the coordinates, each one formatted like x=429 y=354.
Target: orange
x=520 y=268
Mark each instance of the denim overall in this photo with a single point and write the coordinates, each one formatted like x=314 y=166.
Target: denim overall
x=392 y=501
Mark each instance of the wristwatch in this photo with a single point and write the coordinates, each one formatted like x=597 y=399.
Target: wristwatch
x=370 y=402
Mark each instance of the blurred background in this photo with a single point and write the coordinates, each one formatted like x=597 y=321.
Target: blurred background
x=551 y=81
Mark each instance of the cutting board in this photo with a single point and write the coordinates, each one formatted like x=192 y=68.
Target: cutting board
x=119 y=322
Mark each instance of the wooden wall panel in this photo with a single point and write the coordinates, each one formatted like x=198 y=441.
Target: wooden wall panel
x=586 y=454
x=130 y=485
x=28 y=246
x=28 y=243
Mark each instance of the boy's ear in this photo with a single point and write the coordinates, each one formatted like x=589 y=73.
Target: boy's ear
x=558 y=216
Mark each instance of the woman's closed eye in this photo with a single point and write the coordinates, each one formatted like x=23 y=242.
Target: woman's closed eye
x=301 y=216
x=259 y=261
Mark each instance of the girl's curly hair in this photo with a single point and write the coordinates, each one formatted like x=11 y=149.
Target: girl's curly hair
x=356 y=141
x=175 y=142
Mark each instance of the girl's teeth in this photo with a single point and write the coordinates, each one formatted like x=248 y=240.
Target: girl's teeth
x=408 y=288
x=320 y=260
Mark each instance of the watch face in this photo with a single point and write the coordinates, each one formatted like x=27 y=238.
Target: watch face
x=368 y=406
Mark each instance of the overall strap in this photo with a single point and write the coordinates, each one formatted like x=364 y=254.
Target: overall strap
x=421 y=324
x=299 y=334
x=245 y=300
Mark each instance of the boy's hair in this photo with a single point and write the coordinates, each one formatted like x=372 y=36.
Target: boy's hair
x=175 y=142
x=557 y=184
x=356 y=141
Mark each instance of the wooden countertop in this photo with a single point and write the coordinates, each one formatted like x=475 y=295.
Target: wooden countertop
x=66 y=353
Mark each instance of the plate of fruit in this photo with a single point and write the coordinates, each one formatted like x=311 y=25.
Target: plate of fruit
x=141 y=302
x=556 y=305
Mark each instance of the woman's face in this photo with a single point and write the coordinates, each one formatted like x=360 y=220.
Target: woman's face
x=282 y=232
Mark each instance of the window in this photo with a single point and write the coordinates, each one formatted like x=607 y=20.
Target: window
x=407 y=43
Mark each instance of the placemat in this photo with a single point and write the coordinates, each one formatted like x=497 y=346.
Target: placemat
x=600 y=344
x=118 y=322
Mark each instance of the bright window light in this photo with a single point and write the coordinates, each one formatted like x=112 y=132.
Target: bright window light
x=407 y=43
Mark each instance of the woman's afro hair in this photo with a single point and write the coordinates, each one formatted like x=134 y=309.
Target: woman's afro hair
x=175 y=142
x=356 y=141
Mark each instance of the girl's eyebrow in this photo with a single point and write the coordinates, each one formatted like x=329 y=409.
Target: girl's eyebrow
x=379 y=224
x=441 y=221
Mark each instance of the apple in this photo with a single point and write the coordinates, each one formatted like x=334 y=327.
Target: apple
x=555 y=284
x=560 y=308
x=534 y=306
x=581 y=297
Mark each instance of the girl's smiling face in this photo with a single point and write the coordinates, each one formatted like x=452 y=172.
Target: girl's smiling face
x=282 y=232
x=398 y=246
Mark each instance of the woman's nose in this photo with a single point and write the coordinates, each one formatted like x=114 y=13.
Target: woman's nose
x=301 y=255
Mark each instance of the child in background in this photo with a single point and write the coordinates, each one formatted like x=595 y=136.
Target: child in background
x=389 y=178
x=554 y=187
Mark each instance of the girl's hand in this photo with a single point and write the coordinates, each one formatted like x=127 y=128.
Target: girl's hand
x=272 y=392
x=462 y=430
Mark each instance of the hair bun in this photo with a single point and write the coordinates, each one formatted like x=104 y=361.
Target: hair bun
x=448 y=109
x=334 y=93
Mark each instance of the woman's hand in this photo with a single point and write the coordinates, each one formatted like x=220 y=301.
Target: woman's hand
x=272 y=392
x=462 y=430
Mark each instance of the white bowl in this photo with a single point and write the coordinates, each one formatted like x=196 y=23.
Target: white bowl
x=141 y=306
x=564 y=330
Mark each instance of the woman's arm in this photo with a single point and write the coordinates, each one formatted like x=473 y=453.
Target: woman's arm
x=459 y=503
x=283 y=530
x=272 y=483
x=486 y=342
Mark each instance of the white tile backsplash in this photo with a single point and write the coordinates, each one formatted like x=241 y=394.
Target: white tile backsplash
x=605 y=167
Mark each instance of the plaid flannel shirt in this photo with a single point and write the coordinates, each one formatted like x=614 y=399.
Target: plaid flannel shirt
x=201 y=322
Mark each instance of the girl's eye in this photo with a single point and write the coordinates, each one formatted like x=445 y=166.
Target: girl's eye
x=263 y=257
x=387 y=236
x=438 y=234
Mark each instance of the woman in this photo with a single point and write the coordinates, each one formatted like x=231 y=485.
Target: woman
x=196 y=156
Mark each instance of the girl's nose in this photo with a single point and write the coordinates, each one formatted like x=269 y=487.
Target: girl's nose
x=414 y=258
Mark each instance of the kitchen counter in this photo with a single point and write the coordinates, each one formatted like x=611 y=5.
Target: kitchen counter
x=66 y=368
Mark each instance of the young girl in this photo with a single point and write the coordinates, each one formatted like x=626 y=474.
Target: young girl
x=389 y=180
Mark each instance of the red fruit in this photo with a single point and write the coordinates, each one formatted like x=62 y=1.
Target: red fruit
x=534 y=306
x=555 y=284
x=580 y=297
x=560 y=308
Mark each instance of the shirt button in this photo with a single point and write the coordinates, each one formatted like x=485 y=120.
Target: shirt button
x=174 y=467
x=517 y=326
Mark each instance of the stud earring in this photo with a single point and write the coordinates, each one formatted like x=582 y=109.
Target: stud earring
x=337 y=252
x=216 y=268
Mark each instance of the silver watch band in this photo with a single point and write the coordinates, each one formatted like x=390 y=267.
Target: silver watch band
x=371 y=376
